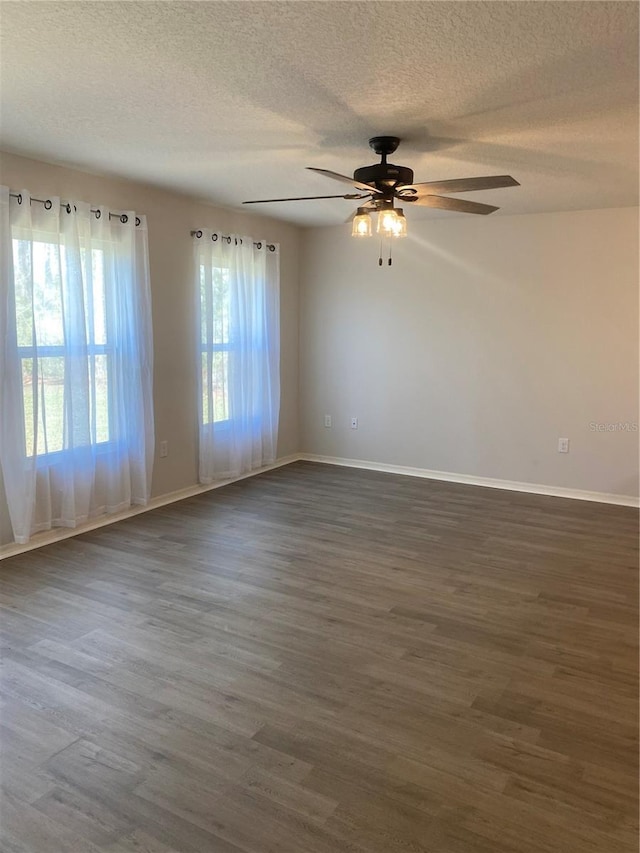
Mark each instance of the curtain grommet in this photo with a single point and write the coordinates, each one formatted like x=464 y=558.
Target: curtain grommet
x=48 y=204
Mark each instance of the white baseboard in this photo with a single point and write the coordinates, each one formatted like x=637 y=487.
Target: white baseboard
x=56 y=534
x=59 y=533
x=471 y=480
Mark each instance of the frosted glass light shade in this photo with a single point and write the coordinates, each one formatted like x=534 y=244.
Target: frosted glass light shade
x=387 y=222
x=392 y=223
x=361 y=224
x=400 y=226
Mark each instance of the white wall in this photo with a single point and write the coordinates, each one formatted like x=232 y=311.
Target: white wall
x=486 y=341
x=170 y=218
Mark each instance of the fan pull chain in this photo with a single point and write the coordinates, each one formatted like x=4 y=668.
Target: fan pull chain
x=380 y=258
x=389 y=261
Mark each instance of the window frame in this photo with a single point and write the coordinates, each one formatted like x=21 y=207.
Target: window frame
x=231 y=347
x=35 y=353
x=209 y=349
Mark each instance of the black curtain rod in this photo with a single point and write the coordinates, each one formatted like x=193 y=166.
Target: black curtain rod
x=215 y=237
x=48 y=204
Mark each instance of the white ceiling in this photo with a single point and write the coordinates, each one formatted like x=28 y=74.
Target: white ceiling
x=231 y=100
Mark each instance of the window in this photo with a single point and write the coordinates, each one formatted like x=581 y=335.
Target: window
x=50 y=424
x=216 y=343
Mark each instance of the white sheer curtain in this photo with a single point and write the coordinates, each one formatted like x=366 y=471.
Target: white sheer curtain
x=237 y=286
x=76 y=409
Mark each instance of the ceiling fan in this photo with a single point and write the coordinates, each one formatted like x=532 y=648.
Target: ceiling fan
x=382 y=183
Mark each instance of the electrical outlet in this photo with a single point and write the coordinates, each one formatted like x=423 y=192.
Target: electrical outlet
x=563 y=445
x=354 y=423
x=327 y=421
x=164 y=449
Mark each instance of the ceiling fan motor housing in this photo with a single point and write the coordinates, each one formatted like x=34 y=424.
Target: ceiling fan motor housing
x=384 y=175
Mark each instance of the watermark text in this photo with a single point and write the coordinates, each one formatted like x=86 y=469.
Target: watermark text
x=614 y=426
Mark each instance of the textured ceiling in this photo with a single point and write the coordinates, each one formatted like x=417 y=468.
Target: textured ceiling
x=231 y=100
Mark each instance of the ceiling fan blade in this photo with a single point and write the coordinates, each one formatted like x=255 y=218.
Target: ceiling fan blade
x=464 y=185
x=345 y=180
x=459 y=204
x=353 y=196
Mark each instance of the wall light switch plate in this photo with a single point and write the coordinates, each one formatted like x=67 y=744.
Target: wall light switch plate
x=327 y=421
x=563 y=445
x=354 y=423
x=164 y=449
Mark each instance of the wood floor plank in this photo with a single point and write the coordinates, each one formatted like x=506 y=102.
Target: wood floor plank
x=319 y=660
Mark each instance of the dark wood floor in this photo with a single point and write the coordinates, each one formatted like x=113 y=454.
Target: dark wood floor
x=321 y=659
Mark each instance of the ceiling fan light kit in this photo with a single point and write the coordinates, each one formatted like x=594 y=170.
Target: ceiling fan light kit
x=382 y=183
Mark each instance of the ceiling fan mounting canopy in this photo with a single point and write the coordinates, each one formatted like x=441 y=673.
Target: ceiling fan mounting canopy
x=384 y=145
